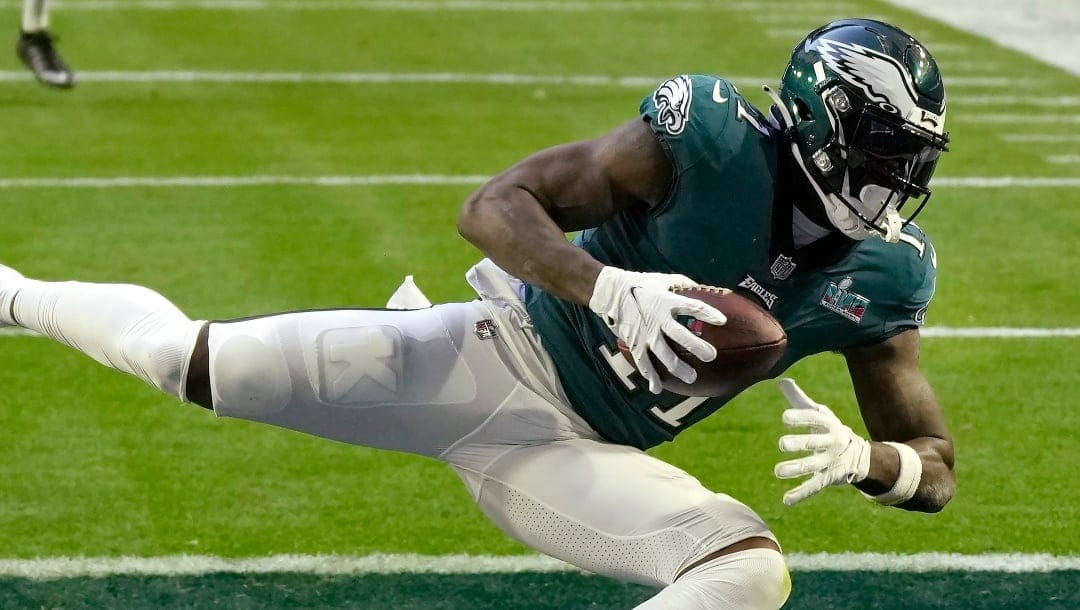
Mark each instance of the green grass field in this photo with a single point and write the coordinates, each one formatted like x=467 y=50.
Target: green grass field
x=95 y=464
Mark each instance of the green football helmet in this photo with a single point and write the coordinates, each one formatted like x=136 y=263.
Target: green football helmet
x=864 y=108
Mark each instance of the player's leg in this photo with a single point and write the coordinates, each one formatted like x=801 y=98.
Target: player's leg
x=545 y=477
x=35 y=15
x=616 y=511
x=36 y=47
x=415 y=381
x=744 y=575
x=126 y=327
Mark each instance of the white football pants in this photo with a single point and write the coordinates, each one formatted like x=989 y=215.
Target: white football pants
x=469 y=384
x=465 y=383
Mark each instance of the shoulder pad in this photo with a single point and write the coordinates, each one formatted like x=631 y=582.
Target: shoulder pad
x=911 y=266
x=688 y=103
x=698 y=115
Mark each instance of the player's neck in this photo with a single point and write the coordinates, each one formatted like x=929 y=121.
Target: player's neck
x=805 y=231
x=809 y=222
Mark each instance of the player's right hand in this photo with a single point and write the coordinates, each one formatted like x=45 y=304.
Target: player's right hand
x=640 y=308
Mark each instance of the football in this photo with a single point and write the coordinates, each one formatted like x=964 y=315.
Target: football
x=747 y=347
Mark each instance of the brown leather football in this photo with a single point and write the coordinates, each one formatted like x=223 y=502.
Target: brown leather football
x=747 y=347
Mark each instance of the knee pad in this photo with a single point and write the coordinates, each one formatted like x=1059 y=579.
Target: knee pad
x=158 y=348
x=754 y=578
x=770 y=580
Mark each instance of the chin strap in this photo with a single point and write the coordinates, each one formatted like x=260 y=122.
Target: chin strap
x=789 y=123
x=839 y=214
x=893 y=225
x=888 y=220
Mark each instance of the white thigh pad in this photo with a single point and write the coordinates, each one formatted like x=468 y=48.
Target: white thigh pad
x=401 y=380
x=385 y=358
x=248 y=371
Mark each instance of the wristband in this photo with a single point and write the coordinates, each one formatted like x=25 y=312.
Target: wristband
x=907 y=482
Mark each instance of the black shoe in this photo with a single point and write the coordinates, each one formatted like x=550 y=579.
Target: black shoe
x=36 y=50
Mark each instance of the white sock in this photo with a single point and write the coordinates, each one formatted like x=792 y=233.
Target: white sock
x=129 y=328
x=754 y=579
x=35 y=16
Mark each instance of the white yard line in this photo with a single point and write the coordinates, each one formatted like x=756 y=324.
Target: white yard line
x=1045 y=29
x=96 y=182
x=574 y=80
x=933 y=332
x=1001 y=182
x=272 y=77
x=1053 y=138
x=1061 y=101
x=1063 y=159
x=996 y=332
x=1018 y=118
x=233 y=181
x=49 y=568
x=428 y=6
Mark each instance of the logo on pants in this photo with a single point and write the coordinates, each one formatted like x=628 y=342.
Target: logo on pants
x=359 y=365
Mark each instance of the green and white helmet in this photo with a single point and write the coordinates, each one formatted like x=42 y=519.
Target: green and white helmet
x=864 y=107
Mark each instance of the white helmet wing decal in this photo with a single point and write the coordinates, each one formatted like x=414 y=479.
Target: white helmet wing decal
x=883 y=80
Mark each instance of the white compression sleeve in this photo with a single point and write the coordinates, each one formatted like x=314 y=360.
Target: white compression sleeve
x=126 y=327
x=754 y=579
x=35 y=16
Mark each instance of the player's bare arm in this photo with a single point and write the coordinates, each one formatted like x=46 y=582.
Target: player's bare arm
x=898 y=405
x=519 y=220
x=909 y=458
x=520 y=217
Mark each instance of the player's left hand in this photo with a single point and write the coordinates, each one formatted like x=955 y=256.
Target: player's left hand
x=839 y=456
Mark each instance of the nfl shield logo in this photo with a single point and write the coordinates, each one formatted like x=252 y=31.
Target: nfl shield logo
x=782 y=267
x=485 y=329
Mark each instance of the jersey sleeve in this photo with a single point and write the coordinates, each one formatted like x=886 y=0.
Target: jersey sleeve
x=915 y=277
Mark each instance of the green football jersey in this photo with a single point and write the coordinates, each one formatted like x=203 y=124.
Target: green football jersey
x=724 y=224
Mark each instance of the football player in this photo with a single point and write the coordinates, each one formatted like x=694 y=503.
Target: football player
x=36 y=47
x=524 y=392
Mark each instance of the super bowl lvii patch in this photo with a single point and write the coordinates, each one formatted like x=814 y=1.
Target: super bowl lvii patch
x=838 y=298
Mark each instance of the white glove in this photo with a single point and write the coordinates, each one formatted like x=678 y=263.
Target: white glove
x=640 y=309
x=839 y=455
